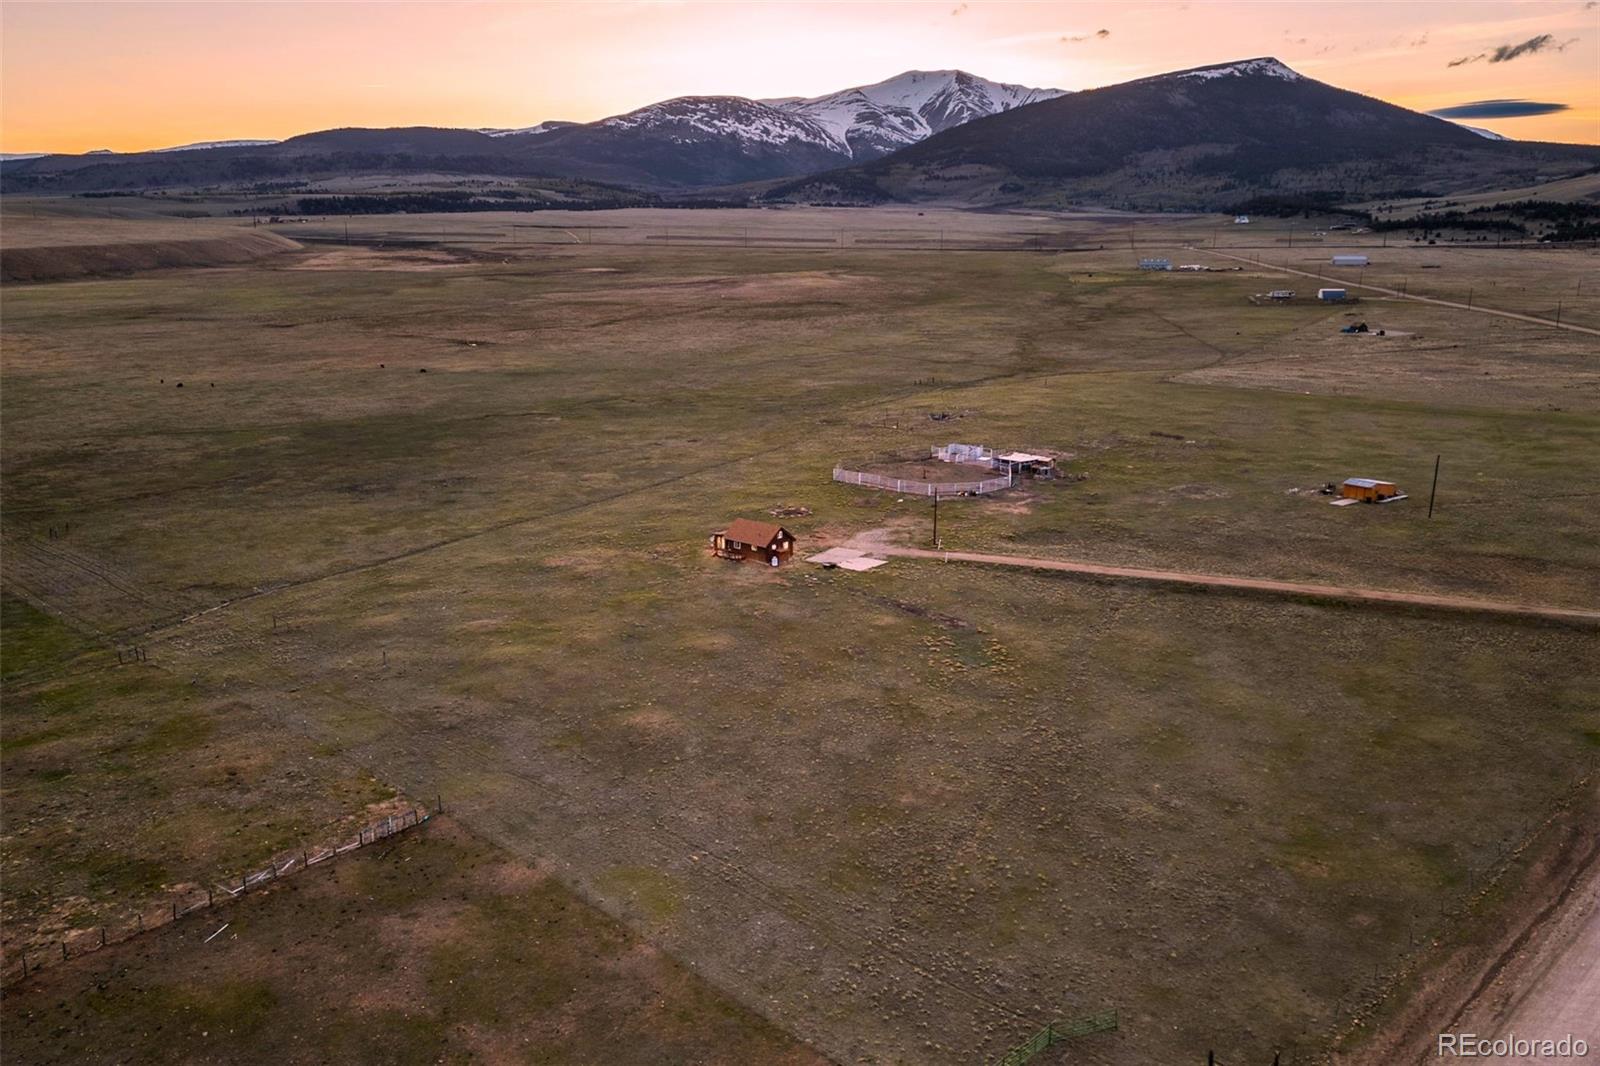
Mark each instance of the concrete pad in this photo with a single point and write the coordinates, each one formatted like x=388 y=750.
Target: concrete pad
x=834 y=556
x=846 y=559
x=858 y=565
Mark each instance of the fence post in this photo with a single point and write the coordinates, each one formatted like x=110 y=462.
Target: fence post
x=63 y=951
x=102 y=936
x=174 y=910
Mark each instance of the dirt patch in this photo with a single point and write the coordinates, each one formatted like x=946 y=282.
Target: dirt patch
x=407 y=259
x=787 y=287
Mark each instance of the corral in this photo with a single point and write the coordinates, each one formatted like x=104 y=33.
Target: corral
x=909 y=814
x=923 y=476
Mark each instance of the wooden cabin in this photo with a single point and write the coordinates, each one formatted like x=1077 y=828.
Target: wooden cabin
x=1367 y=489
x=746 y=538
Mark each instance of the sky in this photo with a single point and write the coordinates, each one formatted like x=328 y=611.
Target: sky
x=129 y=76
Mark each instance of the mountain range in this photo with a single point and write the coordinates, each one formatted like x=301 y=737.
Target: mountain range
x=690 y=141
x=1196 y=139
x=1193 y=139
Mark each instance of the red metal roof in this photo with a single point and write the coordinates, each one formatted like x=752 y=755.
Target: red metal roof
x=750 y=531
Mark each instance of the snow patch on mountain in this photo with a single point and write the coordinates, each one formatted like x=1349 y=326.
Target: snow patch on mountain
x=199 y=145
x=690 y=118
x=1481 y=132
x=543 y=127
x=1265 y=66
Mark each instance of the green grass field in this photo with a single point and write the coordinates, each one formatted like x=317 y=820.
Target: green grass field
x=908 y=815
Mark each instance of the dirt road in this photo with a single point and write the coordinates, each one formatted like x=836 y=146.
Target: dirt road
x=1564 y=999
x=1479 y=309
x=1254 y=584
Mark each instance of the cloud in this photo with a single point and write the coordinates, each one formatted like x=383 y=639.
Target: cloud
x=1499 y=109
x=1096 y=35
x=1545 y=42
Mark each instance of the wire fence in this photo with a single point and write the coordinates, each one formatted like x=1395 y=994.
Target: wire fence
x=1055 y=1033
x=37 y=955
x=913 y=487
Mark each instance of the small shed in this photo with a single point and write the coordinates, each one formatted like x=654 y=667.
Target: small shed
x=1241 y=220
x=1332 y=295
x=747 y=538
x=956 y=452
x=1367 y=489
x=1155 y=264
x=1026 y=464
x=1350 y=261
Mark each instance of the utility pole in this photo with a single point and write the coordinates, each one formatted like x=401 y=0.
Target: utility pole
x=935 y=518
x=347 y=231
x=1434 y=491
x=1558 y=312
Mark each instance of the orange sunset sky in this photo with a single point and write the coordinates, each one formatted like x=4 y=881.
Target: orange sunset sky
x=129 y=76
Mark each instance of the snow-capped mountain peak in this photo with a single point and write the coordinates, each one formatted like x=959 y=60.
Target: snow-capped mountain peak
x=873 y=120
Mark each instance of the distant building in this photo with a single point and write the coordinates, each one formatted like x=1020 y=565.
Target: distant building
x=1349 y=260
x=1241 y=220
x=1332 y=295
x=1155 y=264
x=1367 y=489
x=746 y=538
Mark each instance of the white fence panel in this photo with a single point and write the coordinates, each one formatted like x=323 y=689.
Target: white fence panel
x=919 y=488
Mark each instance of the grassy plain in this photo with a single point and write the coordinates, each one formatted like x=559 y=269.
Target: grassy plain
x=437 y=510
